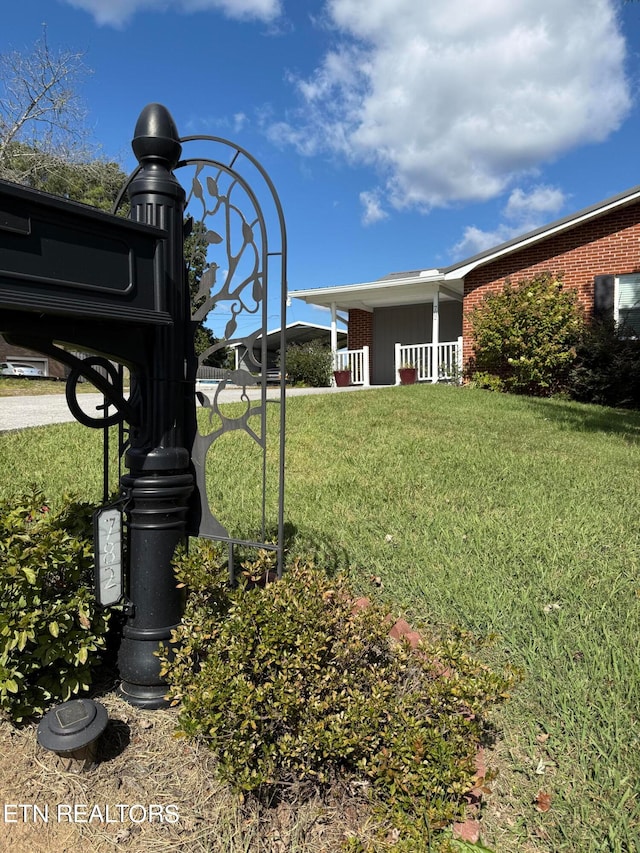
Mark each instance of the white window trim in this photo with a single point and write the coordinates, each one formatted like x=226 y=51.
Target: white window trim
x=616 y=294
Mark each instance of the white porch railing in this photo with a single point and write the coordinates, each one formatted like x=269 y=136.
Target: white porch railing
x=356 y=361
x=432 y=366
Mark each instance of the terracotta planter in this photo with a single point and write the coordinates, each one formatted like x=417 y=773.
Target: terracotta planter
x=408 y=375
x=342 y=377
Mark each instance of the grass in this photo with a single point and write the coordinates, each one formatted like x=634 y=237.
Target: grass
x=14 y=387
x=17 y=387
x=500 y=514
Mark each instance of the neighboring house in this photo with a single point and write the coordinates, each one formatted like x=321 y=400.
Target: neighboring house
x=295 y=333
x=421 y=316
x=50 y=368
x=20 y=355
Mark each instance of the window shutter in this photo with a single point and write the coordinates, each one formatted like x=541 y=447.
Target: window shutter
x=603 y=296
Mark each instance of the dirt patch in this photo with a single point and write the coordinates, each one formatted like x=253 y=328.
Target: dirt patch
x=149 y=791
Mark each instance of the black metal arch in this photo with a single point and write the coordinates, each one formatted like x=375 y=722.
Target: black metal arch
x=206 y=524
x=209 y=296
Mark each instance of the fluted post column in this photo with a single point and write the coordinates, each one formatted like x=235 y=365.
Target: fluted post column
x=159 y=483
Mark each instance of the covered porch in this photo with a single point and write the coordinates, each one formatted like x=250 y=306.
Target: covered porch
x=404 y=318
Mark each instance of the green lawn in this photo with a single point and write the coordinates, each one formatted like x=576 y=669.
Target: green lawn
x=504 y=515
x=17 y=386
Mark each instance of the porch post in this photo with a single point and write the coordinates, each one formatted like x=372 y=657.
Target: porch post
x=334 y=329
x=435 y=336
x=396 y=351
x=334 y=333
x=365 y=367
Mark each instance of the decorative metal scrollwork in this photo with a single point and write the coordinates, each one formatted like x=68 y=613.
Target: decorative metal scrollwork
x=242 y=282
x=85 y=368
x=238 y=270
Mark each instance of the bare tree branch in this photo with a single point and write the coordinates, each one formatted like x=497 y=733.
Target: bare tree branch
x=40 y=108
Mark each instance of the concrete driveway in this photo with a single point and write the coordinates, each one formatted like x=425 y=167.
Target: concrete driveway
x=29 y=411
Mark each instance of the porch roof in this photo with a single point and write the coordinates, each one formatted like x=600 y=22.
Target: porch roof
x=396 y=289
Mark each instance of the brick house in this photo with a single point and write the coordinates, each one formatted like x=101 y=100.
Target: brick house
x=420 y=316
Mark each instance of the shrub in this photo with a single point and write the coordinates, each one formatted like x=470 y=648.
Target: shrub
x=309 y=364
x=294 y=686
x=50 y=630
x=488 y=381
x=607 y=367
x=527 y=335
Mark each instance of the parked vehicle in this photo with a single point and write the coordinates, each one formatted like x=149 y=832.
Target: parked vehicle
x=11 y=368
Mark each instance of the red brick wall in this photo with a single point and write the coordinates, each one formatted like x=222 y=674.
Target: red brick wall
x=360 y=332
x=609 y=245
x=360 y=329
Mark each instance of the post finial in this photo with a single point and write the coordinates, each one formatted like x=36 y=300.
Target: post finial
x=156 y=136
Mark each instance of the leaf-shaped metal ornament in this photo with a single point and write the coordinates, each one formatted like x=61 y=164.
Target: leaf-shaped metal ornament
x=247 y=232
x=212 y=186
x=197 y=189
x=213 y=237
x=256 y=291
x=230 y=328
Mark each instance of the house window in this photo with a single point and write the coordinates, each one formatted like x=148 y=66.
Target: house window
x=626 y=304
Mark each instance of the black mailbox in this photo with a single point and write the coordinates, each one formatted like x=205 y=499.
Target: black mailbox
x=74 y=278
x=66 y=259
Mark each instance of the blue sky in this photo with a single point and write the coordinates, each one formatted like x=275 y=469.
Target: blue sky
x=400 y=134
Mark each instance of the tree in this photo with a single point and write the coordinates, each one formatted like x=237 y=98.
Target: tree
x=525 y=336
x=309 y=364
x=195 y=255
x=43 y=140
x=607 y=366
x=40 y=110
x=95 y=182
x=44 y=145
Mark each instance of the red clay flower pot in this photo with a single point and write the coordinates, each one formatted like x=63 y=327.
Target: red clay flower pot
x=408 y=375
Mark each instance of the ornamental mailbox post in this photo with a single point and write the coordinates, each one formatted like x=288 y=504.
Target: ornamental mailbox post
x=160 y=481
x=72 y=278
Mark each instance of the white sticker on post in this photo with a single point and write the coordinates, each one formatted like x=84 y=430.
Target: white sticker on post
x=108 y=553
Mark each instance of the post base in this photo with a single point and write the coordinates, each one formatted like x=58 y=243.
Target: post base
x=156 y=525
x=149 y=698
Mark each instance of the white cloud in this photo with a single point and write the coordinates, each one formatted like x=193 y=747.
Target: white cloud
x=282 y=133
x=118 y=12
x=373 y=211
x=240 y=120
x=452 y=102
x=524 y=211
x=216 y=124
x=542 y=201
x=475 y=240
